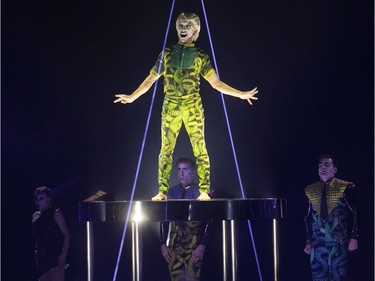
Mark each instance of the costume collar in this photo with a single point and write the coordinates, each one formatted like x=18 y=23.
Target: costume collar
x=186 y=44
x=328 y=182
x=335 y=190
x=188 y=186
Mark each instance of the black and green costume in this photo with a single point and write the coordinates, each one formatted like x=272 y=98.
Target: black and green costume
x=182 y=65
x=184 y=238
x=329 y=233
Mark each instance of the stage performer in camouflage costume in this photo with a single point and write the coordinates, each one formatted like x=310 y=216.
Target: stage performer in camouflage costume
x=182 y=65
x=185 y=248
x=331 y=223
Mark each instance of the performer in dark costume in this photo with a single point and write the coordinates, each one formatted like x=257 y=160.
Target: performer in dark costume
x=330 y=223
x=182 y=65
x=51 y=235
x=187 y=240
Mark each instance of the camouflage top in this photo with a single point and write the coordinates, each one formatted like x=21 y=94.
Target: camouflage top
x=182 y=65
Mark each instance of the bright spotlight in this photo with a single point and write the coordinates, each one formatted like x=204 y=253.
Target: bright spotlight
x=137 y=212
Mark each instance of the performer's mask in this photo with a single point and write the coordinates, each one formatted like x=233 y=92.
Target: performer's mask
x=188 y=26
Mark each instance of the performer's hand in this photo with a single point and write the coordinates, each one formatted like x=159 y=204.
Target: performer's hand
x=352 y=245
x=307 y=249
x=123 y=98
x=249 y=95
x=166 y=252
x=36 y=215
x=198 y=253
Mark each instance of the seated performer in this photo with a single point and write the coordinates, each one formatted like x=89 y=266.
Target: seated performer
x=188 y=240
x=182 y=65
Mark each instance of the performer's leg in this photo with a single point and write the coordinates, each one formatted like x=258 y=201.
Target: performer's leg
x=319 y=263
x=193 y=117
x=55 y=273
x=171 y=122
x=339 y=262
x=176 y=268
x=58 y=274
x=176 y=265
x=181 y=267
x=193 y=270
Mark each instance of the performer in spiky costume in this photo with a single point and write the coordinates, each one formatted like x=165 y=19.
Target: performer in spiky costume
x=331 y=223
x=182 y=65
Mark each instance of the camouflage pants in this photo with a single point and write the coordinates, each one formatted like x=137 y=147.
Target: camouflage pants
x=329 y=262
x=185 y=237
x=190 y=114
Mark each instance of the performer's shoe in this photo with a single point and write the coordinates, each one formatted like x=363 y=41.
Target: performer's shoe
x=204 y=196
x=159 y=197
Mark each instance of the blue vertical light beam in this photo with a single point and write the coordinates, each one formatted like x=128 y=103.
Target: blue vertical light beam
x=231 y=140
x=142 y=149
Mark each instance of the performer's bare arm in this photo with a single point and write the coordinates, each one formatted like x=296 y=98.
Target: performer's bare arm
x=143 y=88
x=228 y=90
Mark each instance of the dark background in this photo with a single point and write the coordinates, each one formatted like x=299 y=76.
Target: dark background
x=63 y=61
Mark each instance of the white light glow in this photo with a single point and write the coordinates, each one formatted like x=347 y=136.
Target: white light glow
x=137 y=212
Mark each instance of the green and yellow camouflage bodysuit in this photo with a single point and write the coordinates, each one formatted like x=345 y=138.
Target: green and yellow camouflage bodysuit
x=182 y=65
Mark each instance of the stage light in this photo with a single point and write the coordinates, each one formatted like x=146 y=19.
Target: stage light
x=137 y=212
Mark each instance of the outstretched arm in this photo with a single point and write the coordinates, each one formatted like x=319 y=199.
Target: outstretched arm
x=230 y=91
x=143 y=88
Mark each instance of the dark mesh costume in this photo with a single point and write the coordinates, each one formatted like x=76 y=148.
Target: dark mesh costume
x=329 y=234
x=182 y=65
x=184 y=238
x=49 y=241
